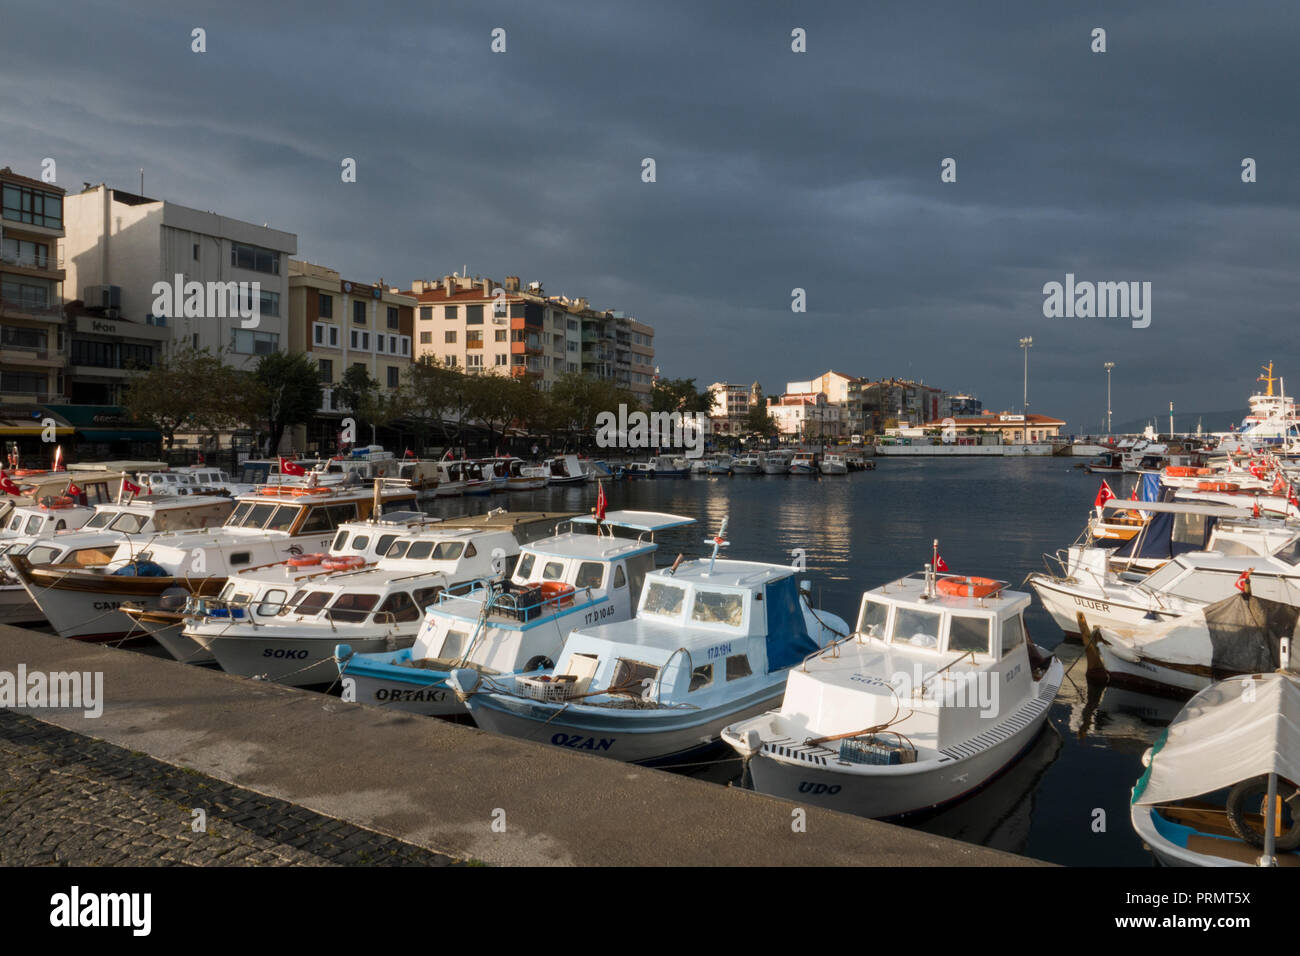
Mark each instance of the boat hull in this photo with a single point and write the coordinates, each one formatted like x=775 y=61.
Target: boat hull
x=168 y=629
x=296 y=660
x=384 y=679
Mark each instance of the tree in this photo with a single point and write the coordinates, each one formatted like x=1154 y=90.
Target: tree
x=758 y=421
x=356 y=392
x=580 y=398
x=290 y=391
x=187 y=390
x=680 y=395
x=431 y=395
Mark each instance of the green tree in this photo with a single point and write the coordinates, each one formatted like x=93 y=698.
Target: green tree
x=580 y=398
x=289 y=391
x=356 y=392
x=758 y=421
x=184 y=391
x=680 y=395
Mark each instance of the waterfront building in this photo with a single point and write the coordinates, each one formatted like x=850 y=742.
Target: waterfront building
x=874 y=404
x=731 y=405
x=1012 y=428
x=838 y=389
x=807 y=416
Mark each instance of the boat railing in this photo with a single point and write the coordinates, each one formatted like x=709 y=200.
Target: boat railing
x=508 y=606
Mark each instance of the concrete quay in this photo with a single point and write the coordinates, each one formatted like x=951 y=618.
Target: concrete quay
x=448 y=790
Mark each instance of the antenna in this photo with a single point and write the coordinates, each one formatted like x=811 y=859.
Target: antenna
x=718 y=541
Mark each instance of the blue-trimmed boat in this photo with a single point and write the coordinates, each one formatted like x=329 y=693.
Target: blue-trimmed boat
x=572 y=579
x=712 y=642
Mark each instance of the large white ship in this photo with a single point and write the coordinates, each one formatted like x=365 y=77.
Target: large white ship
x=1272 y=419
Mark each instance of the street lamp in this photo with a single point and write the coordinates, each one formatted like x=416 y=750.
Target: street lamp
x=1108 y=366
x=1026 y=344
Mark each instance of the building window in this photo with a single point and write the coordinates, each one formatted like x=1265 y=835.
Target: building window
x=359 y=313
x=326 y=306
x=327 y=370
x=473 y=315
x=25 y=293
x=451 y=312
x=449 y=337
x=12 y=337
x=196 y=252
x=503 y=359
x=35 y=206
x=474 y=339
x=20 y=252
x=406 y=345
x=392 y=318
x=426 y=312
x=500 y=335
x=268 y=303
x=426 y=338
x=255 y=258
x=248 y=342
x=25 y=383
x=474 y=361
x=449 y=361
x=393 y=376
x=379 y=344
x=516 y=310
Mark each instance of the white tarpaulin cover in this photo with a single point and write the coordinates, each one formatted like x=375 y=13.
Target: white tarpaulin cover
x=1223 y=737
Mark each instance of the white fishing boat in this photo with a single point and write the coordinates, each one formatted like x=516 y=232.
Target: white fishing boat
x=712 y=642
x=748 y=465
x=834 y=465
x=719 y=465
x=570 y=579
x=278 y=523
x=478 y=480
x=1240 y=634
x=937 y=690
x=42 y=520
x=1239 y=735
x=452 y=479
x=776 y=463
x=565 y=470
x=72 y=549
x=371 y=608
x=803 y=463
x=260 y=593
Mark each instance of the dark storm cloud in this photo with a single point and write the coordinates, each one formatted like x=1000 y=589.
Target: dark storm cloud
x=775 y=170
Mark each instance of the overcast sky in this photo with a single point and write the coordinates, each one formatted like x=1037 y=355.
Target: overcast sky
x=775 y=169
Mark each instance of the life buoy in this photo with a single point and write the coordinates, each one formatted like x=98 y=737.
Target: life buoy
x=342 y=562
x=64 y=501
x=1216 y=486
x=1181 y=471
x=1247 y=792
x=968 y=587
x=557 y=591
x=306 y=560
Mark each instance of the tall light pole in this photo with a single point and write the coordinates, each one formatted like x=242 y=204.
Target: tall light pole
x=1108 y=366
x=1027 y=344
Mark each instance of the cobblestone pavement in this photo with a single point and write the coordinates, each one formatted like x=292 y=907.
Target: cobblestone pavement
x=66 y=799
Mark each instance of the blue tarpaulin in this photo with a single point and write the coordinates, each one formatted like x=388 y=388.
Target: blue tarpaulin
x=787 y=633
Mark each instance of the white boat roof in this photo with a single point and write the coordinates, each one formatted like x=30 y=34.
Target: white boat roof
x=595 y=547
x=911 y=591
x=639 y=520
x=731 y=574
x=650 y=633
x=1178 y=507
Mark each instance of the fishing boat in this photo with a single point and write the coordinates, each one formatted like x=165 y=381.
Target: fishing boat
x=711 y=643
x=834 y=465
x=260 y=593
x=803 y=463
x=748 y=465
x=660 y=466
x=776 y=463
x=1107 y=463
x=936 y=692
x=452 y=479
x=561 y=582
x=1238 y=735
x=565 y=470
x=1239 y=634
x=374 y=608
x=277 y=523
x=43 y=519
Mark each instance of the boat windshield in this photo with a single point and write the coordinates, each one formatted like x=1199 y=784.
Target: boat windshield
x=875 y=615
x=306 y=603
x=718 y=607
x=237 y=516
x=663 y=600
x=352 y=608
x=1289 y=552
x=99 y=519
x=525 y=565
x=283 y=518
x=129 y=523
x=259 y=515
x=916 y=627
x=969 y=634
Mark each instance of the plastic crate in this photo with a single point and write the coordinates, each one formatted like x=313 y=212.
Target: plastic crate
x=881 y=751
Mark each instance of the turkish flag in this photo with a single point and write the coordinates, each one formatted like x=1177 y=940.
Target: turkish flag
x=130 y=487
x=1104 y=494
x=288 y=467
x=73 y=490
x=1243 y=582
x=600 y=501
x=7 y=485
x=940 y=564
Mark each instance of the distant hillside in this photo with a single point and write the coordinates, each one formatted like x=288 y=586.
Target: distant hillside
x=1183 y=422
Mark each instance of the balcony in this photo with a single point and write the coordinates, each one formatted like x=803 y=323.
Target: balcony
x=29 y=355
x=20 y=309
x=49 y=266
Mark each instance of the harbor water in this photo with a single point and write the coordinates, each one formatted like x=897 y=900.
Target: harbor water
x=1066 y=799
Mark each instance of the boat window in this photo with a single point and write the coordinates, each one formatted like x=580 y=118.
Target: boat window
x=384 y=543
x=340 y=540
x=352 y=608
x=875 y=615
x=738 y=666
x=88 y=557
x=620 y=579
x=1189 y=529
x=128 y=523
x=241 y=557
x=306 y=603
x=317 y=520
x=447 y=550
x=718 y=607
x=272 y=601
x=968 y=634
x=240 y=598
x=400 y=606
x=1289 y=552
x=1158 y=580
x=1013 y=634
x=420 y=550
x=259 y=515
x=470 y=550
x=282 y=520
x=41 y=555
x=341 y=514
x=916 y=627
x=397 y=550
x=590 y=574
x=525 y=567
x=13 y=525
x=702 y=676
x=237 y=516
x=633 y=678
x=426 y=596
x=553 y=571
x=662 y=599
x=454 y=645
x=34 y=524
x=360 y=541
x=99 y=519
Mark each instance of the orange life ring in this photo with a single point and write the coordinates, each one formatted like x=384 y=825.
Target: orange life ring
x=63 y=501
x=1181 y=471
x=1216 y=486
x=968 y=587
x=342 y=562
x=557 y=591
x=306 y=560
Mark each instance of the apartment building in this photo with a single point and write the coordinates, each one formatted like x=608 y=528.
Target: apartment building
x=731 y=405
x=873 y=403
x=342 y=323
x=807 y=416
x=838 y=389
x=120 y=245
x=31 y=290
